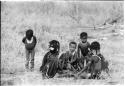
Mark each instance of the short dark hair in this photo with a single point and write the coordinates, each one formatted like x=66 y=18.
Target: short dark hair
x=29 y=33
x=54 y=42
x=83 y=34
x=95 y=45
x=56 y=45
x=72 y=43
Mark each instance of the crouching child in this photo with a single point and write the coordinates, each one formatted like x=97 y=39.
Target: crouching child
x=100 y=63
x=49 y=65
x=83 y=49
x=95 y=62
x=68 y=60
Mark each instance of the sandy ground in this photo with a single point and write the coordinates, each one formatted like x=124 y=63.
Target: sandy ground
x=35 y=78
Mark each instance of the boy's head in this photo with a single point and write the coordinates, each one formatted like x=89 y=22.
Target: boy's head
x=72 y=46
x=95 y=47
x=83 y=37
x=54 y=46
x=29 y=34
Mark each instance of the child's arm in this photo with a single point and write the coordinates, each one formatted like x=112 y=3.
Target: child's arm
x=24 y=39
x=87 y=65
x=44 y=61
x=90 y=60
x=35 y=39
x=74 y=58
x=61 y=58
x=88 y=46
x=102 y=57
x=79 y=51
x=45 y=58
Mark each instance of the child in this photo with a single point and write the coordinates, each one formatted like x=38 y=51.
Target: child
x=50 y=61
x=104 y=64
x=95 y=61
x=30 y=42
x=83 y=49
x=68 y=59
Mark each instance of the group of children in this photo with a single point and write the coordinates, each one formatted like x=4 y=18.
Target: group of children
x=81 y=58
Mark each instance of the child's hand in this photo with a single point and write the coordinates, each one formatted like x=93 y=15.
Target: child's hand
x=76 y=76
x=69 y=65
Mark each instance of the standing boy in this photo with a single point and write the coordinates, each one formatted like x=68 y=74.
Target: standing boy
x=30 y=42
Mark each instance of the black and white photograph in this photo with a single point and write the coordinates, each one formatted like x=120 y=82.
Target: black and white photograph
x=62 y=42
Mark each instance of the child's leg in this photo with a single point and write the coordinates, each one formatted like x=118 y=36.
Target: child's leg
x=27 y=59
x=44 y=70
x=81 y=63
x=84 y=62
x=78 y=64
x=32 y=59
